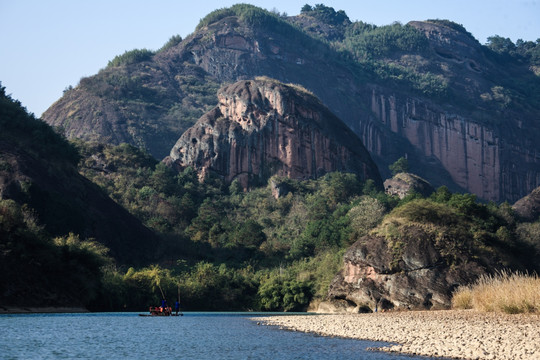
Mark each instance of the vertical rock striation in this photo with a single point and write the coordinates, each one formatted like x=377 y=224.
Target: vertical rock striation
x=469 y=152
x=261 y=128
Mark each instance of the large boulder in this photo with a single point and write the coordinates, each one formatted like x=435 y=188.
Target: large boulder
x=403 y=184
x=381 y=275
x=528 y=207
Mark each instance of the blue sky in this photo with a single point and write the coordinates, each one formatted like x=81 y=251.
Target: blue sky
x=47 y=45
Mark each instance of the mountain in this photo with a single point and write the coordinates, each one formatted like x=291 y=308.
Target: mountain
x=262 y=128
x=465 y=115
x=275 y=247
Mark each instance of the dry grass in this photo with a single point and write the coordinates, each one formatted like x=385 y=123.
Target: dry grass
x=506 y=292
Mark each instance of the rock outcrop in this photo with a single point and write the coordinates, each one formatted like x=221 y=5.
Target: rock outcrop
x=528 y=207
x=262 y=128
x=416 y=258
x=375 y=279
x=402 y=184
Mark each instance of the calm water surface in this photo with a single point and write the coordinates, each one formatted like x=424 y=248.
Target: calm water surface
x=193 y=336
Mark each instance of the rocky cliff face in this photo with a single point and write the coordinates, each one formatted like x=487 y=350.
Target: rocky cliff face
x=477 y=151
x=468 y=152
x=450 y=145
x=262 y=128
x=473 y=132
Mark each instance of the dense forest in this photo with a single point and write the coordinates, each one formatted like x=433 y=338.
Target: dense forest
x=231 y=249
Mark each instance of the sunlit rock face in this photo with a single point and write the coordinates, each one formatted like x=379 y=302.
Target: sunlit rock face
x=262 y=128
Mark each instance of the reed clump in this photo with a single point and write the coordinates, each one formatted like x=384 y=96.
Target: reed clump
x=511 y=293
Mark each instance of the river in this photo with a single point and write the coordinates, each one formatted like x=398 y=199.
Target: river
x=192 y=336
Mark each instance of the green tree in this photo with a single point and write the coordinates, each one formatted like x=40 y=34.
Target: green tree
x=501 y=45
x=172 y=42
x=131 y=57
x=442 y=195
x=249 y=234
x=365 y=216
x=306 y=8
x=401 y=165
x=277 y=294
x=235 y=188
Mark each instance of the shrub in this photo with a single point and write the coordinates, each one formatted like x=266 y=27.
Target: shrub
x=172 y=42
x=326 y=14
x=463 y=298
x=131 y=57
x=248 y=13
x=373 y=42
x=425 y=211
x=365 y=216
x=450 y=24
x=401 y=165
x=276 y=294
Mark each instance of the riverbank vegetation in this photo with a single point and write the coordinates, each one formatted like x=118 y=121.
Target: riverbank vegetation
x=506 y=292
x=229 y=249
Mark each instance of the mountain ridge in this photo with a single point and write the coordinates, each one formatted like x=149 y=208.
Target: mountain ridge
x=424 y=95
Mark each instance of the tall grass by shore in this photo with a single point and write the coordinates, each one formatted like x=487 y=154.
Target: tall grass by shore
x=510 y=293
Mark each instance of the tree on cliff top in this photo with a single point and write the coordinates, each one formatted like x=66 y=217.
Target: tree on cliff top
x=326 y=14
x=401 y=165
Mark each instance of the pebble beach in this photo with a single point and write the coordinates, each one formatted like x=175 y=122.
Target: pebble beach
x=459 y=334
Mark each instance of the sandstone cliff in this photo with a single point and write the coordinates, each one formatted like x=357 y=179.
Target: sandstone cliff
x=469 y=139
x=460 y=114
x=374 y=279
x=262 y=128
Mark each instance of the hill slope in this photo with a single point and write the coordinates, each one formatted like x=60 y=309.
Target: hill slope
x=38 y=170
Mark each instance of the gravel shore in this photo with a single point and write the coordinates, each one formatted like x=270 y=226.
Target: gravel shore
x=461 y=334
